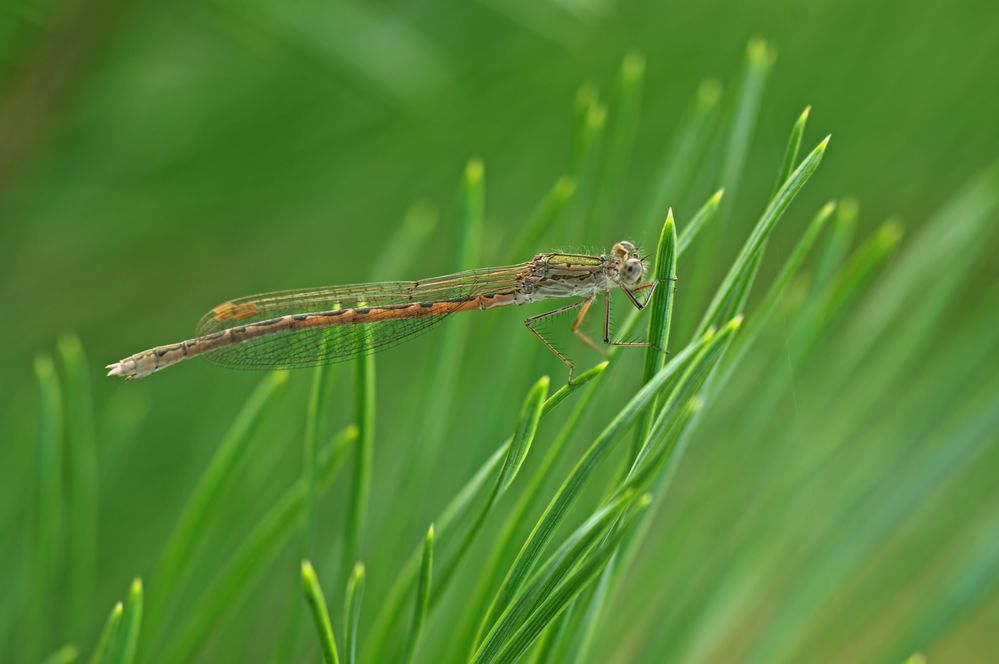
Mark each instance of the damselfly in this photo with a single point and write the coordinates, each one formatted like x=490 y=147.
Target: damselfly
x=312 y=326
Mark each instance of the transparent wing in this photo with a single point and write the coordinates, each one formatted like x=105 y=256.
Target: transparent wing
x=342 y=342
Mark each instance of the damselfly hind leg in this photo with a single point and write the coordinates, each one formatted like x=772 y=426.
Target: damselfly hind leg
x=582 y=335
x=530 y=322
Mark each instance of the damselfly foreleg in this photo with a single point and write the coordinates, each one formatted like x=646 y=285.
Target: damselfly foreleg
x=638 y=305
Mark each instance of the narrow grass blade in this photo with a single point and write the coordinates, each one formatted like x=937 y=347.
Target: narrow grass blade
x=764 y=311
x=422 y=598
x=517 y=449
x=527 y=427
x=661 y=310
x=65 y=655
x=844 y=228
x=109 y=636
x=131 y=623
x=685 y=389
x=468 y=250
x=791 y=152
x=544 y=217
x=246 y=565
x=699 y=221
x=457 y=507
x=503 y=546
x=560 y=598
x=204 y=500
x=725 y=303
x=554 y=513
x=397 y=255
x=81 y=457
x=50 y=517
x=352 y=611
x=589 y=146
x=553 y=572
x=357 y=507
x=622 y=137
x=320 y=615
x=687 y=148
x=760 y=59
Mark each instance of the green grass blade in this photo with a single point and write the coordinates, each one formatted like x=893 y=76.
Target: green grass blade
x=247 y=564
x=131 y=624
x=352 y=611
x=725 y=303
x=81 y=456
x=589 y=138
x=543 y=218
x=320 y=615
x=703 y=216
x=397 y=255
x=50 y=517
x=422 y=598
x=109 y=636
x=523 y=436
x=763 y=312
x=566 y=495
x=504 y=543
x=676 y=170
x=457 y=507
x=551 y=574
x=560 y=598
x=791 y=152
x=443 y=383
x=64 y=655
x=622 y=137
x=204 y=499
x=844 y=228
x=357 y=507
x=760 y=59
x=661 y=310
x=517 y=448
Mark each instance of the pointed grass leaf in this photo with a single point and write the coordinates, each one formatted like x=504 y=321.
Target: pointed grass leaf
x=320 y=615
x=109 y=636
x=421 y=601
x=352 y=611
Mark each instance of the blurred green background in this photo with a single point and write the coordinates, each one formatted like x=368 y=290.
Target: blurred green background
x=159 y=158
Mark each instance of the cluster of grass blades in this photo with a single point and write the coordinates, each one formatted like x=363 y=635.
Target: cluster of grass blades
x=525 y=559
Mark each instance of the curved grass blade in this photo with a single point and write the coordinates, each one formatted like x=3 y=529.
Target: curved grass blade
x=357 y=508
x=544 y=217
x=246 y=565
x=64 y=655
x=689 y=144
x=109 y=636
x=664 y=274
x=204 y=500
x=560 y=598
x=422 y=599
x=566 y=495
x=393 y=606
x=131 y=623
x=622 y=138
x=701 y=218
x=320 y=615
x=352 y=611
x=791 y=152
x=552 y=573
x=727 y=299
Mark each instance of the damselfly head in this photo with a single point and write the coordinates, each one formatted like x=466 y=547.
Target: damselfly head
x=630 y=268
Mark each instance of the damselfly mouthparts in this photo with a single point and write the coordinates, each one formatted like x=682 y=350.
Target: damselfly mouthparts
x=301 y=328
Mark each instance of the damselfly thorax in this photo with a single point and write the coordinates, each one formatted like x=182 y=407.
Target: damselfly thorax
x=301 y=328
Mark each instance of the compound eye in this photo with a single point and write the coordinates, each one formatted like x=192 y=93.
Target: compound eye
x=627 y=246
x=632 y=270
